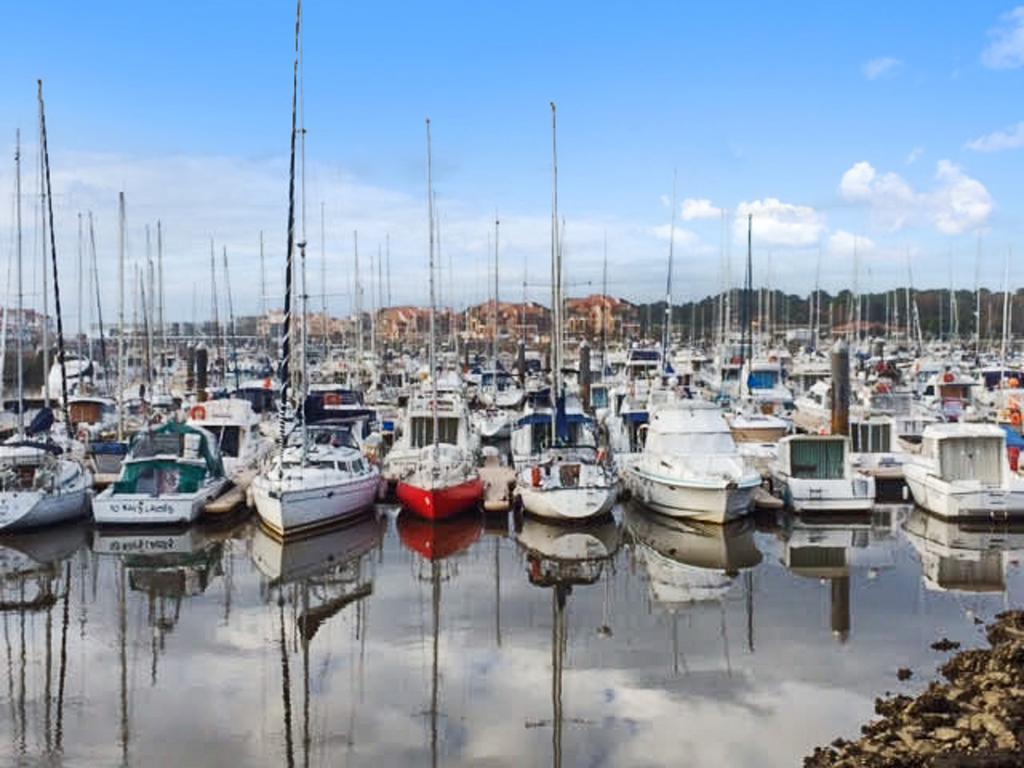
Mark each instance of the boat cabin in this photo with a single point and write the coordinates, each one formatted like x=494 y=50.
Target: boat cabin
x=814 y=457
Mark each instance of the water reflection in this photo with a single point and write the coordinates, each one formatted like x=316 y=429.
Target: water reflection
x=610 y=643
x=968 y=556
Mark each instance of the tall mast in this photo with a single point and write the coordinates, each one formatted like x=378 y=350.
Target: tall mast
x=160 y=279
x=53 y=255
x=286 y=326
x=21 y=288
x=323 y=283
x=213 y=294
x=666 y=331
x=497 y=225
x=231 y=317
x=977 y=299
x=81 y=281
x=433 y=352
x=99 y=305
x=302 y=241
x=46 y=287
x=387 y=255
x=358 y=297
x=556 y=293
x=604 y=305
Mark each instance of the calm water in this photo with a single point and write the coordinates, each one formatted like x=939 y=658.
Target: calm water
x=639 y=642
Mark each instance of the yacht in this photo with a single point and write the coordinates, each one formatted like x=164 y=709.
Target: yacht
x=813 y=473
x=168 y=475
x=320 y=478
x=691 y=467
x=963 y=472
x=236 y=427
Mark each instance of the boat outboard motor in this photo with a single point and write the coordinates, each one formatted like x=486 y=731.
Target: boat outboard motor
x=40 y=423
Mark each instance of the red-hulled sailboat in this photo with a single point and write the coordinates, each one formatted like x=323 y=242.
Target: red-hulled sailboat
x=445 y=481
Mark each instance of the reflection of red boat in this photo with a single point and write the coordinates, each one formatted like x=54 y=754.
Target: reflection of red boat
x=438 y=540
x=443 y=502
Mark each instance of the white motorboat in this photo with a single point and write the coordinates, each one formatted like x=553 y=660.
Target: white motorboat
x=875 y=448
x=963 y=472
x=236 y=427
x=169 y=474
x=691 y=467
x=308 y=486
x=813 y=473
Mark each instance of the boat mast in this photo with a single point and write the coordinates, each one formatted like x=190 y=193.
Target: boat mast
x=497 y=225
x=81 y=280
x=747 y=340
x=99 y=305
x=304 y=380
x=21 y=295
x=160 y=315
x=431 y=347
x=286 y=326
x=556 y=276
x=46 y=287
x=53 y=255
x=604 y=306
x=231 y=318
x=323 y=284
x=667 y=329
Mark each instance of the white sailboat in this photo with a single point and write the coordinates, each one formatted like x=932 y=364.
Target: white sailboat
x=317 y=476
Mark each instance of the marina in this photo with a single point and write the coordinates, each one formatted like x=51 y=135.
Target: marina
x=300 y=468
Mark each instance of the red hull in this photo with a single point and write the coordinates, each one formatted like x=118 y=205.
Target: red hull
x=440 y=503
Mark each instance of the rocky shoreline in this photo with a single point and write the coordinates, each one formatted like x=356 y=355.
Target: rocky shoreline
x=974 y=719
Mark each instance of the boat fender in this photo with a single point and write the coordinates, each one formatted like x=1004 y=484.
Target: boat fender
x=197 y=413
x=535 y=476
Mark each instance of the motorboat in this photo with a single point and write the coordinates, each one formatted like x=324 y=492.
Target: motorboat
x=813 y=473
x=168 y=475
x=236 y=427
x=691 y=466
x=963 y=472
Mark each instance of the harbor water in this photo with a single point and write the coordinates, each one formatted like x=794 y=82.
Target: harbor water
x=391 y=642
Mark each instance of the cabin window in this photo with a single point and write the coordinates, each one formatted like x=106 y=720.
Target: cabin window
x=228 y=440
x=423 y=431
x=599 y=397
x=870 y=438
x=762 y=379
x=817 y=459
x=965 y=458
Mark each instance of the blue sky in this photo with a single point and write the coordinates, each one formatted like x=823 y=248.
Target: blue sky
x=761 y=108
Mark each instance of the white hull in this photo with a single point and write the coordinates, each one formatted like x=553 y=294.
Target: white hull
x=855 y=495
x=567 y=504
x=953 y=501
x=706 y=503
x=297 y=509
x=33 y=509
x=144 y=509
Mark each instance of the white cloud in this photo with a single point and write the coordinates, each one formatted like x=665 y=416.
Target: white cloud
x=1011 y=138
x=779 y=223
x=960 y=203
x=1006 y=51
x=957 y=204
x=882 y=66
x=914 y=155
x=699 y=208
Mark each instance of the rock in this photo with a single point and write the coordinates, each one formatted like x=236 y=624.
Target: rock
x=945 y=734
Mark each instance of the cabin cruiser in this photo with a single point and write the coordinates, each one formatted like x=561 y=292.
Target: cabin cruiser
x=320 y=477
x=564 y=478
x=874 y=447
x=499 y=389
x=691 y=467
x=814 y=408
x=93 y=417
x=236 y=427
x=41 y=483
x=963 y=472
x=765 y=388
x=813 y=473
x=168 y=475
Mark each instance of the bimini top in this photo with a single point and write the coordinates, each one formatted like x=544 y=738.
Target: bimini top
x=169 y=439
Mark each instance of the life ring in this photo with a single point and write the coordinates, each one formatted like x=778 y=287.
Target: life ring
x=1014 y=383
x=267 y=383
x=948 y=377
x=1015 y=418
x=197 y=413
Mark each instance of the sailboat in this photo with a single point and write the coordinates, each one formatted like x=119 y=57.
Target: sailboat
x=318 y=476
x=563 y=479
x=445 y=481
x=41 y=483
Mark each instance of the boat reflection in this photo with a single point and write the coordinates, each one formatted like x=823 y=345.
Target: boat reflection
x=310 y=580
x=963 y=556
x=833 y=547
x=562 y=557
x=689 y=561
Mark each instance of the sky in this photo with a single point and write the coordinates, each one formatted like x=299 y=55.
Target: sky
x=889 y=131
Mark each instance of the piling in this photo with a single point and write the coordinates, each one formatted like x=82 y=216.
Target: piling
x=190 y=369
x=202 y=360
x=840 y=388
x=522 y=364
x=585 y=375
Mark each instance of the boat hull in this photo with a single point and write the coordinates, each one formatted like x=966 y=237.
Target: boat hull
x=567 y=504
x=705 y=503
x=32 y=509
x=952 y=501
x=843 y=495
x=299 y=510
x=440 y=503
x=111 y=508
